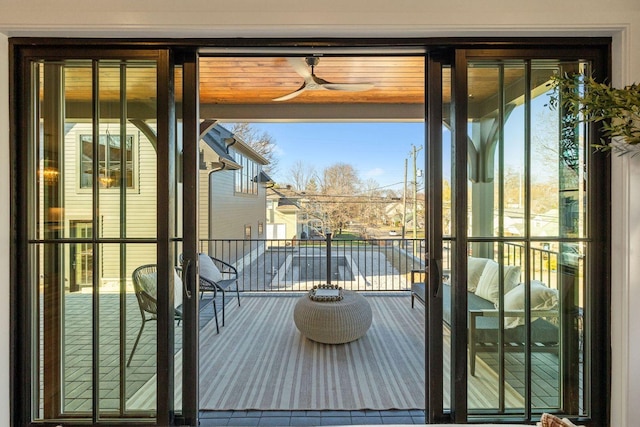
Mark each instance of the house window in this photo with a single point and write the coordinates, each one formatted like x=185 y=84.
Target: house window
x=244 y=176
x=110 y=159
x=260 y=228
x=247 y=232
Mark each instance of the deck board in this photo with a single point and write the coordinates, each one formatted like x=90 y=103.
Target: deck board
x=483 y=388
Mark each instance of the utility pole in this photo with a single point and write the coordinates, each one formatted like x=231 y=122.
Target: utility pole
x=414 y=153
x=404 y=201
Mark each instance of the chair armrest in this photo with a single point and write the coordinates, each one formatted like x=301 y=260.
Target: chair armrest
x=226 y=267
x=229 y=272
x=207 y=285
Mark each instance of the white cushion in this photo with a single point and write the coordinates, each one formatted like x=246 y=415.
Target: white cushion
x=177 y=289
x=149 y=283
x=489 y=284
x=475 y=267
x=208 y=269
x=542 y=298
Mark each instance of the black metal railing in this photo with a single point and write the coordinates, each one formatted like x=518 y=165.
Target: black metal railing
x=297 y=265
x=284 y=265
x=544 y=263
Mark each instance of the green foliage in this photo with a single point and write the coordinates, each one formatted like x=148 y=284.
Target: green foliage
x=584 y=100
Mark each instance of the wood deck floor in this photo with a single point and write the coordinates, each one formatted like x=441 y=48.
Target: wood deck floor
x=140 y=376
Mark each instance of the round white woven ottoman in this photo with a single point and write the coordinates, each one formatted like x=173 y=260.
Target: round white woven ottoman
x=333 y=322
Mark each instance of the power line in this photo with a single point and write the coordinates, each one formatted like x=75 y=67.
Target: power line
x=353 y=196
x=345 y=195
x=362 y=202
x=384 y=186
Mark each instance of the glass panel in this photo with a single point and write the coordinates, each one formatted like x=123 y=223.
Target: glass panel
x=141 y=327
x=527 y=194
x=61 y=272
x=109 y=151
x=543 y=294
x=483 y=135
x=77 y=121
x=496 y=356
x=87 y=315
x=558 y=201
x=177 y=234
x=447 y=197
x=63 y=356
x=141 y=129
x=111 y=309
x=497 y=133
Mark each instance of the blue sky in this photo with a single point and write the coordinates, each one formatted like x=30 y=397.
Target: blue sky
x=375 y=150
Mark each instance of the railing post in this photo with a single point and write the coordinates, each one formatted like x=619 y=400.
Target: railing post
x=328 y=258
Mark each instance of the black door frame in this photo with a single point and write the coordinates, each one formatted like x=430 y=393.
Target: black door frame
x=22 y=297
x=24 y=49
x=191 y=162
x=598 y=226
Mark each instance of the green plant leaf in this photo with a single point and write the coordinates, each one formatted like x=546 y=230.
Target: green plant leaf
x=585 y=100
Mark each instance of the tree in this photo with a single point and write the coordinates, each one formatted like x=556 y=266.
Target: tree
x=301 y=176
x=373 y=211
x=340 y=181
x=262 y=142
x=340 y=178
x=312 y=185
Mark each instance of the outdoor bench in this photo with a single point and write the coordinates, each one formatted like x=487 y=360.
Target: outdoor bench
x=483 y=322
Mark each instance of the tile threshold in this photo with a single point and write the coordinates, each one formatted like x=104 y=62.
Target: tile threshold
x=311 y=417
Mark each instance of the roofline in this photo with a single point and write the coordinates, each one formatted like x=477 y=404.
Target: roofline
x=259 y=157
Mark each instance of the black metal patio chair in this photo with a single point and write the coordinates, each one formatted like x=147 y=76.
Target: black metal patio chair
x=214 y=278
x=145 y=283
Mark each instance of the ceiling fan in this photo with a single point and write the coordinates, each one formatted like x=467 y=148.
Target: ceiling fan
x=313 y=82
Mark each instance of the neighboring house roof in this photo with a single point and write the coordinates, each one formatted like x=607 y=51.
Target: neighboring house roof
x=225 y=160
x=285 y=202
x=219 y=139
x=263 y=178
x=393 y=209
x=240 y=145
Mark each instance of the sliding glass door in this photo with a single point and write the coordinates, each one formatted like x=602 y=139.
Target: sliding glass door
x=514 y=229
x=108 y=219
x=96 y=267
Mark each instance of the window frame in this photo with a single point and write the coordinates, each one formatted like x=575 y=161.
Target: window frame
x=135 y=155
x=243 y=182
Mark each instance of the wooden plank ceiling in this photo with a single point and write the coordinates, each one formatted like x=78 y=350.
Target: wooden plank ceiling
x=257 y=81
x=398 y=80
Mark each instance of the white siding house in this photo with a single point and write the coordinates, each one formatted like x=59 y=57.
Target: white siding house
x=283 y=220
x=78 y=195
x=228 y=210
x=232 y=201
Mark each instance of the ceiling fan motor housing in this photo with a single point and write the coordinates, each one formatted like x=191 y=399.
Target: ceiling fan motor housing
x=312 y=61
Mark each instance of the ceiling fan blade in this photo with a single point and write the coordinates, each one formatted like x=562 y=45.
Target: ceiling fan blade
x=292 y=94
x=321 y=83
x=352 y=87
x=300 y=66
x=304 y=68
